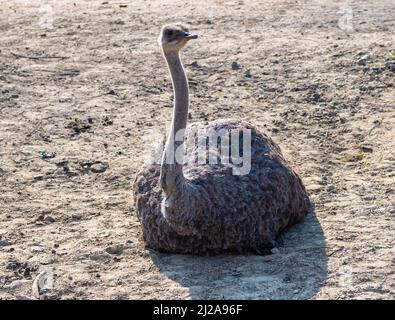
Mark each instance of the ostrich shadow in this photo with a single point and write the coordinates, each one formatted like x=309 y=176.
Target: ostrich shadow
x=296 y=269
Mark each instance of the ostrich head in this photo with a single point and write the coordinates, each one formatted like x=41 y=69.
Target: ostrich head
x=173 y=37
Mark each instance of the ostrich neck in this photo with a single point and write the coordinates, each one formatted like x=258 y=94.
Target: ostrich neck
x=181 y=93
x=171 y=168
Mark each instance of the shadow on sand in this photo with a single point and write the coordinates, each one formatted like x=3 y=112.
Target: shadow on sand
x=296 y=269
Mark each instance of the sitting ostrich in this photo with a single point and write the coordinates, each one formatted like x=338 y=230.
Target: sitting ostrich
x=199 y=208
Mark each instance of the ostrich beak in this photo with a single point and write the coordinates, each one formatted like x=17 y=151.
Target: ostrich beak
x=187 y=35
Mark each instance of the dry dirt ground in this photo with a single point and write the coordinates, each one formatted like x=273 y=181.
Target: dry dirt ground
x=83 y=100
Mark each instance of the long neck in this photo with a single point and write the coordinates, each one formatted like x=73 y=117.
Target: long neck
x=171 y=168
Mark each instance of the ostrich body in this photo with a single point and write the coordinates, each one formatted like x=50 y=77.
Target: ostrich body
x=200 y=208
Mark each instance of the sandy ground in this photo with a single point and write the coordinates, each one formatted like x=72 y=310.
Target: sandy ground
x=82 y=102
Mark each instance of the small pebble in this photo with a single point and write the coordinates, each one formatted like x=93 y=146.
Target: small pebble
x=366 y=148
x=76 y=217
x=99 y=167
x=235 y=65
x=47 y=155
x=49 y=219
x=4 y=243
x=118 y=249
x=363 y=59
x=330 y=188
x=64 y=100
x=390 y=65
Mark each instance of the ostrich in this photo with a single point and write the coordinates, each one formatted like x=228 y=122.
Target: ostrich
x=198 y=208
